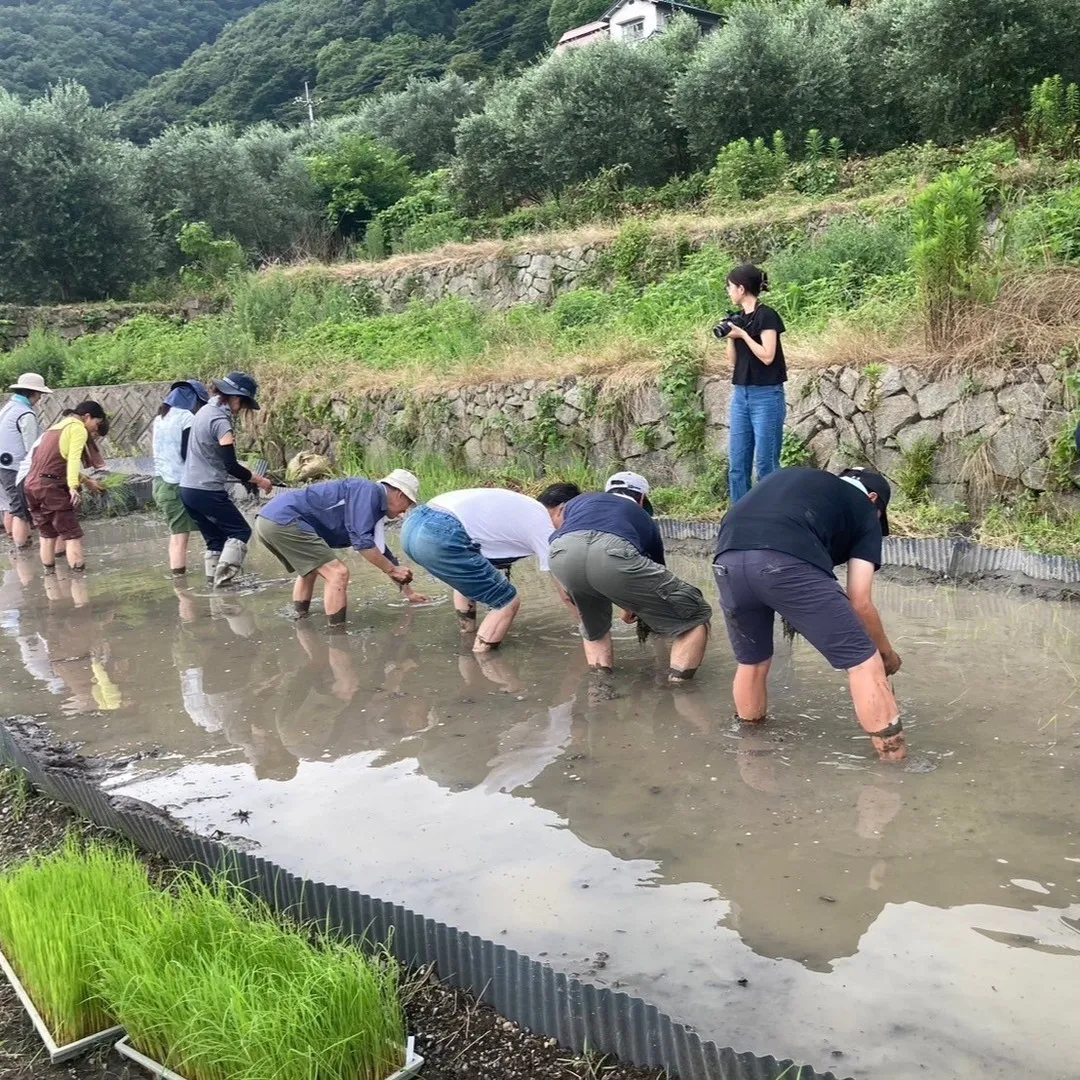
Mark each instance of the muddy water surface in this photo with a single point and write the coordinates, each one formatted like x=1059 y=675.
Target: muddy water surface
x=778 y=889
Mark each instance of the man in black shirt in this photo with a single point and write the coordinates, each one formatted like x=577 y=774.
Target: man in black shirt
x=776 y=552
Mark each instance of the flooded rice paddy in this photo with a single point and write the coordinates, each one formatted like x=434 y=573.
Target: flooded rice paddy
x=778 y=889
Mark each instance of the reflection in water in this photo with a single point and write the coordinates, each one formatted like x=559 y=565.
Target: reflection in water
x=512 y=791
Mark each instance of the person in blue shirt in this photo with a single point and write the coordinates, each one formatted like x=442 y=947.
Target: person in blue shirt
x=606 y=551
x=302 y=527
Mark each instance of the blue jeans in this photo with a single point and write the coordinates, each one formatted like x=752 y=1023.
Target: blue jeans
x=438 y=542
x=757 y=433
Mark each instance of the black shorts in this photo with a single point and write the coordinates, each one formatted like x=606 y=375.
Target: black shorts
x=755 y=585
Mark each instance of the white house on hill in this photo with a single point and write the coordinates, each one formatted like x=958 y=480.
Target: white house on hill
x=635 y=20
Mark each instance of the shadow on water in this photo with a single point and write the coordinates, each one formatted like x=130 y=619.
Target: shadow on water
x=776 y=887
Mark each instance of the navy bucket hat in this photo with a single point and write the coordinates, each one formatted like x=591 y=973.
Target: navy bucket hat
x=239 y=384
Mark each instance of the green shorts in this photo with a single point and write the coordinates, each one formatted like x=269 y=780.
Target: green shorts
x=167 y=498
x=299 y=551
x=600 y=571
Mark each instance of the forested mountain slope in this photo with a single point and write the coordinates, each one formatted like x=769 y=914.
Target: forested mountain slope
x=112 y=47
x=258 y=65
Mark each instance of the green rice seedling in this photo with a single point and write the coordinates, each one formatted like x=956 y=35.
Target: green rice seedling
x=218 y=989
x=56 y=912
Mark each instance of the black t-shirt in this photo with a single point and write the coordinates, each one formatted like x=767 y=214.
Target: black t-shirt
x=813 y=515
x=749 y=370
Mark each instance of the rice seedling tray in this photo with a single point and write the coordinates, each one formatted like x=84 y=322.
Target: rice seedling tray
x=56 y=1052
x=413 y=1062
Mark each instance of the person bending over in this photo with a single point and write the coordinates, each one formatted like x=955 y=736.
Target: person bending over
x=210 y=461
x=606 y=551
x=775 y=555
x=469 y=540
x=302 y=527
x=54 y=481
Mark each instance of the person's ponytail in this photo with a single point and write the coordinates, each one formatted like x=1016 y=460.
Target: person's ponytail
x=750 y=278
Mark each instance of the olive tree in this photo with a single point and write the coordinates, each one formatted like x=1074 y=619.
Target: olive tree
x=70 y=225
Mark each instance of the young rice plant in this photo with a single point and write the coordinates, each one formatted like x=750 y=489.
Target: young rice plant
x=218 y=989
x=56 y=915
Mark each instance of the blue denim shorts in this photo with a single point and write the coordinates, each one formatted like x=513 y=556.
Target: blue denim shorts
x=438 y=542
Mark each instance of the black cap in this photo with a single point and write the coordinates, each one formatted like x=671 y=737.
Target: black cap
x=239 y=384
x=876 y=483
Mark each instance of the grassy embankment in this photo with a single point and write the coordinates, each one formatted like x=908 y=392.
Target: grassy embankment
x=843 y=276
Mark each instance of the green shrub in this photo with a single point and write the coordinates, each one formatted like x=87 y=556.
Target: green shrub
x=794 y=452
x=949 y=221
x=916 y=470
x=583 y=307
x=745 y=170
x=1053 y=120
x=1047 y=229
x=213 y=259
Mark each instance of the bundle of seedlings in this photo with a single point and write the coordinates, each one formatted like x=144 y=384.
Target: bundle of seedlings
x=218 y=989
x=57 y=913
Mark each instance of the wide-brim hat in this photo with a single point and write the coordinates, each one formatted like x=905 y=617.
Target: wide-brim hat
x=31 y=382
x=198 y=387
x=405 y=482
x=239 y=384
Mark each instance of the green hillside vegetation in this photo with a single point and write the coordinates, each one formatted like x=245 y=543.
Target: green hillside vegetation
x=112 y=48
x=347 y=50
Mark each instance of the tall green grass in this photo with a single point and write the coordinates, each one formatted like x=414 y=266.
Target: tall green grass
x=57 y=914
x=217 y=989
x=308 y=324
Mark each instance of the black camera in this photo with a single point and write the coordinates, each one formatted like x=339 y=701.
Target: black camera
x=723 y=328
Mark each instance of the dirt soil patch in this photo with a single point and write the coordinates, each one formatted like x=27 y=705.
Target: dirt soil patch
x=458 y=1036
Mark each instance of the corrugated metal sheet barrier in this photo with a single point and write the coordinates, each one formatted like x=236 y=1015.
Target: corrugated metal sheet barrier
x=530 y=993
x=959 y=559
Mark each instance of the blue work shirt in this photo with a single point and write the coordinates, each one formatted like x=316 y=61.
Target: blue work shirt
x=617 y=515
x=343 y=512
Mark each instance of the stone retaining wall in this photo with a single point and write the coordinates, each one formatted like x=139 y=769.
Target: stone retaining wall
x=497 y=283
x=992 y=431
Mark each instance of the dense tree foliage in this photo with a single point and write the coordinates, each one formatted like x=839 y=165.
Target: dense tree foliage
x=257 y=67
x=89 y=214
x=112 y=47
x=70 y=225
x=420 y=120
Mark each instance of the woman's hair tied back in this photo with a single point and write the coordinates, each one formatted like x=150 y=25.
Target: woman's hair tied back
x=749 y=277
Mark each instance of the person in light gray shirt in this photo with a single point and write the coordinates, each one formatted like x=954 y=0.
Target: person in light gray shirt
x=210 y=461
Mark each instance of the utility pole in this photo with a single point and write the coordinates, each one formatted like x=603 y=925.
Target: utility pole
x=310 y=102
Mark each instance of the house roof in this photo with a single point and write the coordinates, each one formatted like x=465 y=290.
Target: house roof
x=583 y=31
x=674 y=5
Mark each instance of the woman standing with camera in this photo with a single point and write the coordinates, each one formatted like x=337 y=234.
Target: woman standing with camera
x=758 y=407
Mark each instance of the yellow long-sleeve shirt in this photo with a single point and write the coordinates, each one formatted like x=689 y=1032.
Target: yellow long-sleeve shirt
x=73 y=439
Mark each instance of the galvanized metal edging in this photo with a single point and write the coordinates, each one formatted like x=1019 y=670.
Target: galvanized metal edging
x=952 y=557
x=579 y=1015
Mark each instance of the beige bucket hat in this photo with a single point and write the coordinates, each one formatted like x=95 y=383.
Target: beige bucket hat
x=31 y=381
x=405 y=482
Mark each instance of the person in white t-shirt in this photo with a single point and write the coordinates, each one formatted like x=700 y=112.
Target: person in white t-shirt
x=171 y=430
x=470 y=539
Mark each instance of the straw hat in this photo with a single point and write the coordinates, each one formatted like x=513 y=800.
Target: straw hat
x=405 y=482
x=31 y=382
